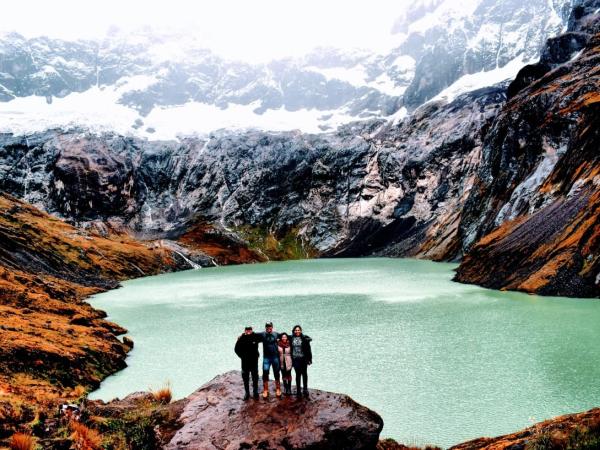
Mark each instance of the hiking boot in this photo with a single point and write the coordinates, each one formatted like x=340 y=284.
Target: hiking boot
x=246 y=395
x=287 y=388
x=255 y=395
x=265 y=389
x=305 y=393
x=298 y=391
x=277 y=389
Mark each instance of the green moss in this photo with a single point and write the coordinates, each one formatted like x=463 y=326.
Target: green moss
x=277 y=247
x=584 y=439
x=541 y=442
x=581 y=438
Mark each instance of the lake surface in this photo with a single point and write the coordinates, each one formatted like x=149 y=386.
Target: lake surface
x=441 y=362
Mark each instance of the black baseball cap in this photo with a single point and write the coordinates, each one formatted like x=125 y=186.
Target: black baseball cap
x=269 y=324
x=248 y=328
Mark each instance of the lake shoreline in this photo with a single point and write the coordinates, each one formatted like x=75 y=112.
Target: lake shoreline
x=356 y=271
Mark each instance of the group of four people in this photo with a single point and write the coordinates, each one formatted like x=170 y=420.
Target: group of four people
x=281 y=352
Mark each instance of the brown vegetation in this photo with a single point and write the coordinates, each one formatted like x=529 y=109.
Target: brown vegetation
x=84 y=437
x=54 y=347
x=569 y=432
x=21 y=441
x=390 y=444
x=163 y=395
x=221 y=246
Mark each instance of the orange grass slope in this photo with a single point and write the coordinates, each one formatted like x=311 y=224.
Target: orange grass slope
x=52 y=343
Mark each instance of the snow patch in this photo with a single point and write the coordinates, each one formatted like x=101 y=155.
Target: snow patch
x=447 y=13
x=357 y=76
x=383 y=83
x=404 y=63
x=96 y=109
x=398 y=116
x=474 y=81
x=196 y=117
x=134 y=83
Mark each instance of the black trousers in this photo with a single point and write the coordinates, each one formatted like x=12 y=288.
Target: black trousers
x=286 y=374
x=250 y=368
x=300 y=367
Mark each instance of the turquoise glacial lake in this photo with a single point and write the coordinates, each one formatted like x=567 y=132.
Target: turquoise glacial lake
x=442 y=362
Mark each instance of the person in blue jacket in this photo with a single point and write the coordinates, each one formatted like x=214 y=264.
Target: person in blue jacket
x=269 y=339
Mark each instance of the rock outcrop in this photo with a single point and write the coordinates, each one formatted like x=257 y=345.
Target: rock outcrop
x=535 y=202
x=216 y=417
x=448 y=45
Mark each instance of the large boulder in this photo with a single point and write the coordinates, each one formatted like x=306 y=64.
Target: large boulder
x=217 y=417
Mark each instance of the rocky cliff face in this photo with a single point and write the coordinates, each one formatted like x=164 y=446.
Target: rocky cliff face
x=374 y=188
x=538 y=180
x=448 y=42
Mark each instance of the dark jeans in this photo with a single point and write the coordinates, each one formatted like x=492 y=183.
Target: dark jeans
x=300 y=367
x=268 y=362
x=250 y=368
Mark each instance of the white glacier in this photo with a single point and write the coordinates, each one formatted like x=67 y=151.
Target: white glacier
x=479 y=80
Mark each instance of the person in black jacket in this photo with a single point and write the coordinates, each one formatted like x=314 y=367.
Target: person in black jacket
x=301 y=358
x=246 y=348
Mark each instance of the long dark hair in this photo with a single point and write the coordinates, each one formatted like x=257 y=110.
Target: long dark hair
x=294 y=329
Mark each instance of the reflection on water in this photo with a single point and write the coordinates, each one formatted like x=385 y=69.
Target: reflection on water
x=442 y=362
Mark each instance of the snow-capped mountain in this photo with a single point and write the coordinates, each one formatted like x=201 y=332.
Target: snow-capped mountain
x=161 y=85
x=455 y=39
x=168 y=84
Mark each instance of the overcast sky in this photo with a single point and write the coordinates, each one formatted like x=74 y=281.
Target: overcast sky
x=243 y=29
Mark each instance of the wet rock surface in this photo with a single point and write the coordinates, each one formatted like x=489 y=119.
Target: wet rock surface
x=217 y=417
